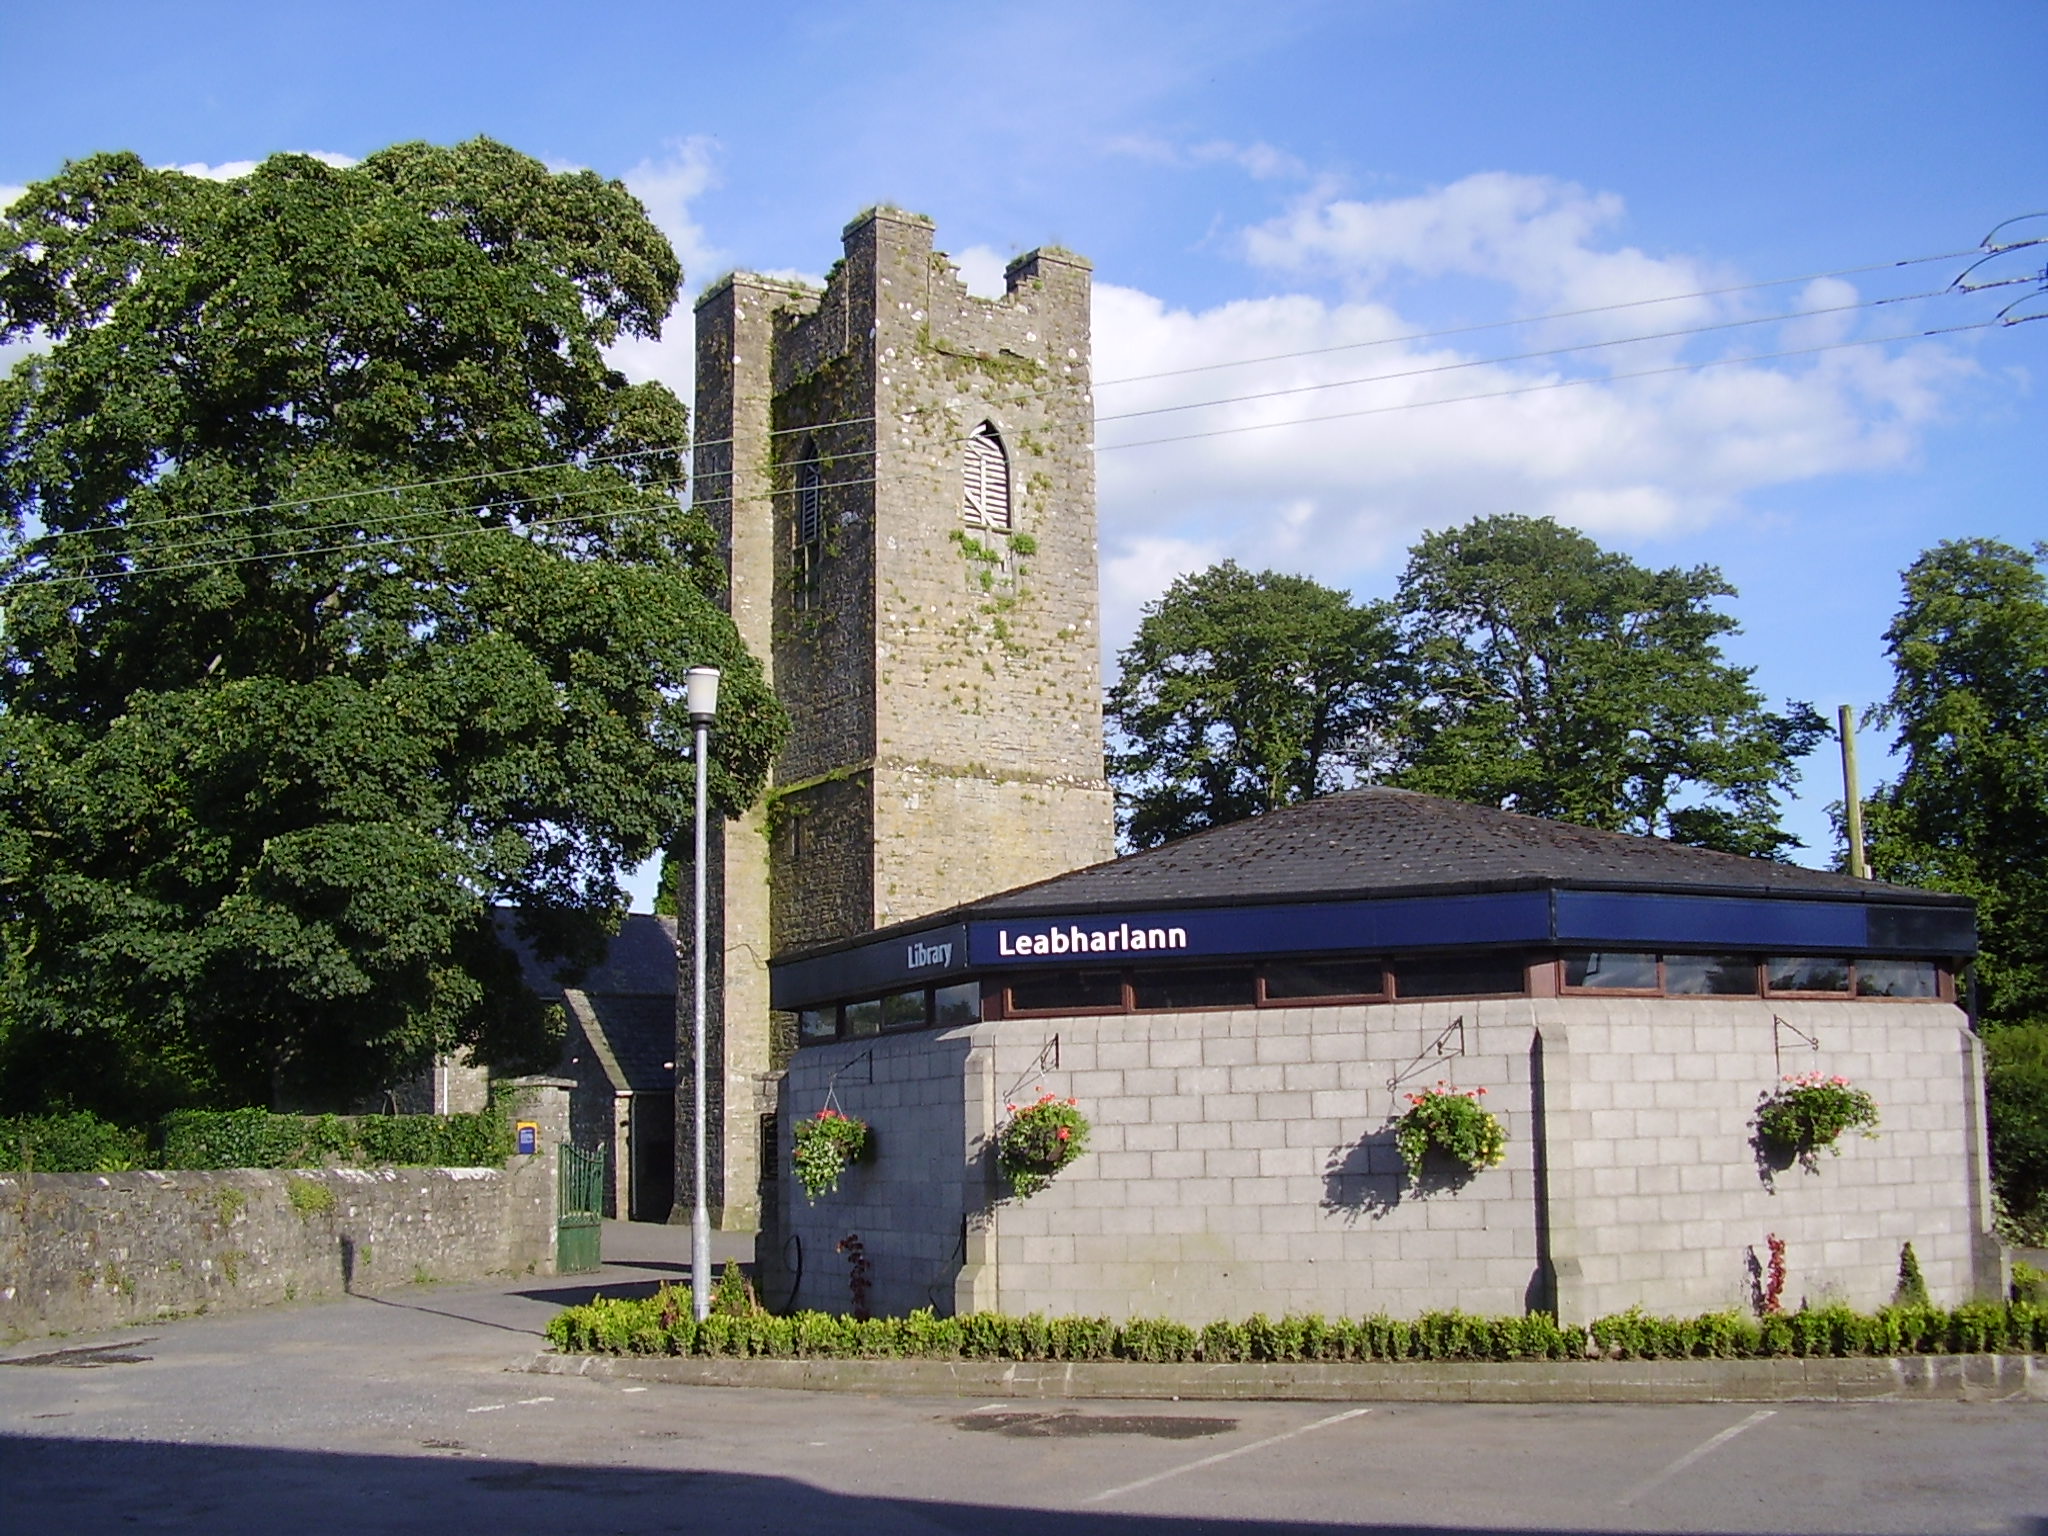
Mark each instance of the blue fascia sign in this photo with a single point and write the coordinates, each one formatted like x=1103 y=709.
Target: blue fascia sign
x=1516 y=917
x=1563 y=917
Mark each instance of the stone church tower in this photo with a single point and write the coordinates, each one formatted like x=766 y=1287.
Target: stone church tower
x=903 y=479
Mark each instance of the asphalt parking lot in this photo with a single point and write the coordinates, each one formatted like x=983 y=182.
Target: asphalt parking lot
x=407 y=1413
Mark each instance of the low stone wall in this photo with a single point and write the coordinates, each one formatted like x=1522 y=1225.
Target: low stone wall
x=83 y=1251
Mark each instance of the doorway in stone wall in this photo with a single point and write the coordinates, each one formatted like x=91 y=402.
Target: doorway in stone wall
x=651 y=1144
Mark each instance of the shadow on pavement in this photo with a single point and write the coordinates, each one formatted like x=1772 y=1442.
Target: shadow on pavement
x=84 y=1487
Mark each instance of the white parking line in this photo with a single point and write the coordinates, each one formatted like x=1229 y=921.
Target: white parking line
x=1695 y=1454
x=1210 y=1461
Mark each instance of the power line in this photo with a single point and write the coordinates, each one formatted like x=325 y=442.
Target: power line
x=1532 y=389
x=590 y=462
x=376 y=542
x=1523 y=357
x=394 y=488
x=1562 y=314
x=353 y=547
x=383 y=521
x=504 y=504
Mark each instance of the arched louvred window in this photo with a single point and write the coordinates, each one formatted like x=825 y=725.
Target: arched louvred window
x=810 y=497
x=986 y=502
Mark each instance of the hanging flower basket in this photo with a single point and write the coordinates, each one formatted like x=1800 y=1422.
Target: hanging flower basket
x=1810 y=1111
x=825 y=1144
x=1039 y=1140
x=1453 y=1121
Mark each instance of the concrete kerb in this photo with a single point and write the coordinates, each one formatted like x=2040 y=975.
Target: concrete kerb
x=1965 y=1378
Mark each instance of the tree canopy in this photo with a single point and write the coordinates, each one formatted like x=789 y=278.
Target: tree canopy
x=1243 y=692
x=1969 y=700
x=347 y=593
x=1521 y=665
x=1560 y=679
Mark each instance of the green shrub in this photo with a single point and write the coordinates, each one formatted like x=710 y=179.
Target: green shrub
x=931 y=1337
x=1157 y=1340
x=1911 y=1291
x=256 y=1138
x=2029 y=1284
x=2016 y=1091
x=731 y=1293
x=79 y=1142
x=661 y=1325
x=1225 y=1343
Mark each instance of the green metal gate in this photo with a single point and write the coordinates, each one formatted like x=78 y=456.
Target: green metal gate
x=579 y=1230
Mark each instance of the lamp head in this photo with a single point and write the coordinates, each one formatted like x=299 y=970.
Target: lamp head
x=700 y=693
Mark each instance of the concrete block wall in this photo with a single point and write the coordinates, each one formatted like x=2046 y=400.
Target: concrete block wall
x=1243 y=1161
x=1658 y=1196
x=909 y=1199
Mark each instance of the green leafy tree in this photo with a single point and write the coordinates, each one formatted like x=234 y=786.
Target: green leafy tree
x=1243 y=692
x=1969 y=813
x=1969 y=700
x=1559 y=679
x=347 y=593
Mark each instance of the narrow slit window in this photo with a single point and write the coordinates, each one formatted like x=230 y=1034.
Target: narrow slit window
x=985 y=502
x=810 y=498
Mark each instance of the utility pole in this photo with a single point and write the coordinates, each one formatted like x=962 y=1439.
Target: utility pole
x=1852 y=800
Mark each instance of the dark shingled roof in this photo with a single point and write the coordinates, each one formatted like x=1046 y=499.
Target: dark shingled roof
x=640 y=960
x=630 y=995
x=641 y=1034
x=1393 y=842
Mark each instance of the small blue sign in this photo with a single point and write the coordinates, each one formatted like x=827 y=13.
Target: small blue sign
x=529 y=1137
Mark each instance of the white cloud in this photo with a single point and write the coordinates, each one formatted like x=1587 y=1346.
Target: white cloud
x=668 y=185
x=234 y=170
x=982 y=268
x=1258 y=160
x=1626 y=459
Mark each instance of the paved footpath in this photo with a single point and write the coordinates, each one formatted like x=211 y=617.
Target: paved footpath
x=406 y=1413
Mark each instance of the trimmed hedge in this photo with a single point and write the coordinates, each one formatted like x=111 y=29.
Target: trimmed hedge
x=255 y=1138
x=74 y=1143
x=662 y=1325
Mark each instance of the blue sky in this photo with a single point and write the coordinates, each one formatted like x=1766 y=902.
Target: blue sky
x=1254 y=180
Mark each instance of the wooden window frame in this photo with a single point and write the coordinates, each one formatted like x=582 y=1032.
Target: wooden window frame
x=1325 y=999
x=1566 y=989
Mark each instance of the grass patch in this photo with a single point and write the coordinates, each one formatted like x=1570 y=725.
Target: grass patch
x=309 y=1198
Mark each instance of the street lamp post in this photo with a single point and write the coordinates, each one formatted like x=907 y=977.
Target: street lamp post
x=700 y=689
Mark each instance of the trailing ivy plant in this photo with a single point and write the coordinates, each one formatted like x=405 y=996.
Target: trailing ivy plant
x=1454 y=1122
x=1039 y=1140
x=825 y=1144
x=1810 y=1111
